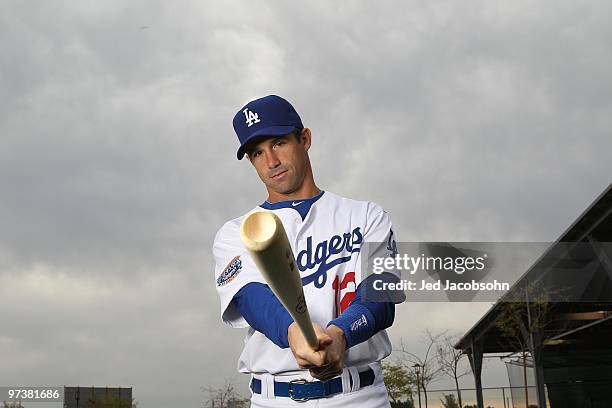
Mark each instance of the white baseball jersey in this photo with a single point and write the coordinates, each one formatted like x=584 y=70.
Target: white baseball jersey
x=326 y=241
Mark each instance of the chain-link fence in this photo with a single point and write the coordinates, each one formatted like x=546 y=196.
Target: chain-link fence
x=494 y=397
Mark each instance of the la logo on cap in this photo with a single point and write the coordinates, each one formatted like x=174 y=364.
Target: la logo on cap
x=251 y=117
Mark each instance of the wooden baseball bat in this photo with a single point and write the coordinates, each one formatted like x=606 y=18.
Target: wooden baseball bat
x=263 y=235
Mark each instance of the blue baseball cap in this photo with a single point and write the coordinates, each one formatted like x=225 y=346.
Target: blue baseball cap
x=267 y=116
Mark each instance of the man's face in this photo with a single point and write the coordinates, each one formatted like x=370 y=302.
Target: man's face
x=282 y=162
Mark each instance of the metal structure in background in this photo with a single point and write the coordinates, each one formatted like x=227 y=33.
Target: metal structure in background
x=571 y=351
x=522 y=382
x=92 y=397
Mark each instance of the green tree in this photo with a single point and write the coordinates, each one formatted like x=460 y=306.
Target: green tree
x=399 y=382
x=522 y=320
x=403 y=404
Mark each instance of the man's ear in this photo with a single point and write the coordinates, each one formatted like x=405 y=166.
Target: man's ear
x=306 y=138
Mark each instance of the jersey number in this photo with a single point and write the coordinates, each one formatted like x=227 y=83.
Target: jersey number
x=343 y=297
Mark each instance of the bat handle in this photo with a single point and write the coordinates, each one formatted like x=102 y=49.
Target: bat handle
x=310 y=336
x=305 y=325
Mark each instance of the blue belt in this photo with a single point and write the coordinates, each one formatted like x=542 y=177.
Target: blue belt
x=302 y=390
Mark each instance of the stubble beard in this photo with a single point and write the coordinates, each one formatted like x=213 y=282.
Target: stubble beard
x=289 y=186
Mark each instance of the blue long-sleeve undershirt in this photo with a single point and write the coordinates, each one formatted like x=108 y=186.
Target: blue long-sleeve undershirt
x=265 y=313
x=362 y=319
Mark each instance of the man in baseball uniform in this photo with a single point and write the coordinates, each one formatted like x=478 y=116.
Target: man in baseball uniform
x=326 y=233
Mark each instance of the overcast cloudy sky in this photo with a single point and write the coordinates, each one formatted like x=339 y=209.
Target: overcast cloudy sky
x=482 y=120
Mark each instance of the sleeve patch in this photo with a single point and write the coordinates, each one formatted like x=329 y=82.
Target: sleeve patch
x=232 y=270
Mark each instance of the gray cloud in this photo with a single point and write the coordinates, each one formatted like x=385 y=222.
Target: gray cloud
x=480 y=121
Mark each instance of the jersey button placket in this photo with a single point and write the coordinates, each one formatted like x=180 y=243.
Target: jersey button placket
x=297 y=237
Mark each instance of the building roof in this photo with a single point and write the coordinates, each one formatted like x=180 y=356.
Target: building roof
x=568 y=322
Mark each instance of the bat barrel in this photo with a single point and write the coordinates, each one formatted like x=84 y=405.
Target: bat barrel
x=258 y=230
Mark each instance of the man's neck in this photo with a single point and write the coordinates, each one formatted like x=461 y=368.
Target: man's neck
x=303 y=193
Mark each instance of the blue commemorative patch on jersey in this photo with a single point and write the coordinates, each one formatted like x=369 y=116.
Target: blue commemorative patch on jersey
x=232 y=270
